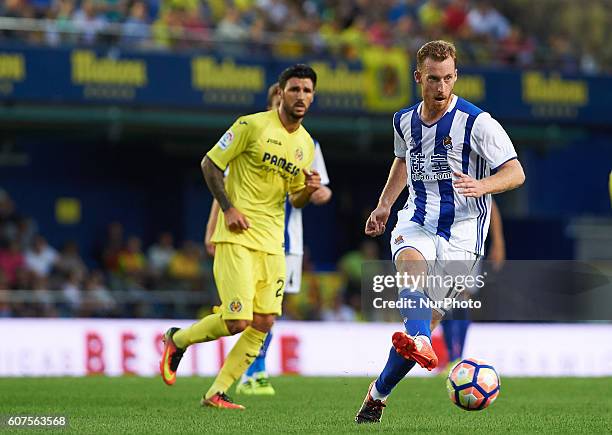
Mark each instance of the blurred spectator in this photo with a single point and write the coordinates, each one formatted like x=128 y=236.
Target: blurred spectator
x=339 y=311
x=379 y=33
x=109 y=255
x=25 y=231
x=71 y=293
x=484 y=19
x=196 y=26
x=70 y=261
x=5 y=292
x=44 y=300
x=231 y=28
x=516 y=50
x=97 y=300
x=168 y=29
x=89 y=22
x=185 y=264
x=11 y=260
x=350 y=266
x=455 y=16
x=136 y=30
x=431 y=14
x=63 y=28
x=8 y=217
x=403 y=8
x=41 y=258
x=160 y=254
x=132 y=262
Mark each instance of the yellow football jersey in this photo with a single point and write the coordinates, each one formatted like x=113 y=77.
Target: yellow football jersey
x=266 y=164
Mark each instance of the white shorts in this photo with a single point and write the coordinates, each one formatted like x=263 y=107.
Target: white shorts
x=443 y=259
x=294 y=273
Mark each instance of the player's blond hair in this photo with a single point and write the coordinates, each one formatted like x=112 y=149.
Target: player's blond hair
x=436 y=50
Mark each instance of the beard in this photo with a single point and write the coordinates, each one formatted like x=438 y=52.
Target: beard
x=295 y=115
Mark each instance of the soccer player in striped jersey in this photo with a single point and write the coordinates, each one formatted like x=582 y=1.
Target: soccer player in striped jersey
x=255 y=380
x=452 y=156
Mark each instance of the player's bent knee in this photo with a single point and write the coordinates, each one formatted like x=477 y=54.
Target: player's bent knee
x=236 y=326
x=263 y=322
x=411 y=261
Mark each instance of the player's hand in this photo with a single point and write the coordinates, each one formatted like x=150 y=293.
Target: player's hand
x=375 y=225
x=468 y=186
x=210 y=247
x=313 y=180
x=236 y=221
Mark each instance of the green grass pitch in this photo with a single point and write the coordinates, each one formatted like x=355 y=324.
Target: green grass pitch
x=309 y=405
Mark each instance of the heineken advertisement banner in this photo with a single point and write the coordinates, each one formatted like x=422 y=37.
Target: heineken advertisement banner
x=380 y=82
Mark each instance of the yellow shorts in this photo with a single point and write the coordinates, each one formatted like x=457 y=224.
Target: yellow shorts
x=248 y=281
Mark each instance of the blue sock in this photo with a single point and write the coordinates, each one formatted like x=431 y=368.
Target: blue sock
x=417 y=321
x=462 y=328
x=449 y=336
x=396 y=368
x=259 y=364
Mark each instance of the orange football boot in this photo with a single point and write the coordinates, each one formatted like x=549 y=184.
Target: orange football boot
x=221 y=401
x=415 y=348
x=170 y=358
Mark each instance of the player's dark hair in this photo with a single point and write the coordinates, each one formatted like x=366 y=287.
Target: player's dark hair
x=436 y=50
x=272 y=92
x=299 y=70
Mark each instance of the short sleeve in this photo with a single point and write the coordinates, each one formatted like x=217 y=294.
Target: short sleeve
x=491 y=142
x=399 y=143
x=231 y=144
x=318 y=164
x=298 y=182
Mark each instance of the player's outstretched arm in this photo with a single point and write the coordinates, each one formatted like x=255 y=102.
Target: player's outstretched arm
x=312 y=183
x=509 y=176
x=376 y=223
x=210 y=228
x=213 y=175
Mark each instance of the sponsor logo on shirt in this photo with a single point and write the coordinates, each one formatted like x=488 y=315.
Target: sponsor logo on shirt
x=398 y=240
x=226 y=140
x=274 y=141
x=281 y=163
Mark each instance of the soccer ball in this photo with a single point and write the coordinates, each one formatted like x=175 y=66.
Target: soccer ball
x=472 y=384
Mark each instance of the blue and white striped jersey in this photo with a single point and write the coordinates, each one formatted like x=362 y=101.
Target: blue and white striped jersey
x=466 y=139
x=294 y=232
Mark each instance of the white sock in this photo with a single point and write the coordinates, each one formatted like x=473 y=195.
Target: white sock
x=426 y=338
x=245 y=378
x=376 y=395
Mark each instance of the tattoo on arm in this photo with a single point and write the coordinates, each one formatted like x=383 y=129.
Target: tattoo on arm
x=214 y=180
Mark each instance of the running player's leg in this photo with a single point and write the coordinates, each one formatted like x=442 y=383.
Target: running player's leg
x=409 y=244
x=236 y=289
x=237 y=309
x=256 y=380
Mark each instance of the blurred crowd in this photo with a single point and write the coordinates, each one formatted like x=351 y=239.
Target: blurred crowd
x=122 y=279
x=509 y=33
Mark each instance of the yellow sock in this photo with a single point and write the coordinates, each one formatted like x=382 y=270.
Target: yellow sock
x=209 y=328
x=238 y=360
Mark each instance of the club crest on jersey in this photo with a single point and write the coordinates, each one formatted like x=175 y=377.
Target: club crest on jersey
x=226 y=140
x=398 y=240
x=447 y=142
x=235 y=306
x=299 y=154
